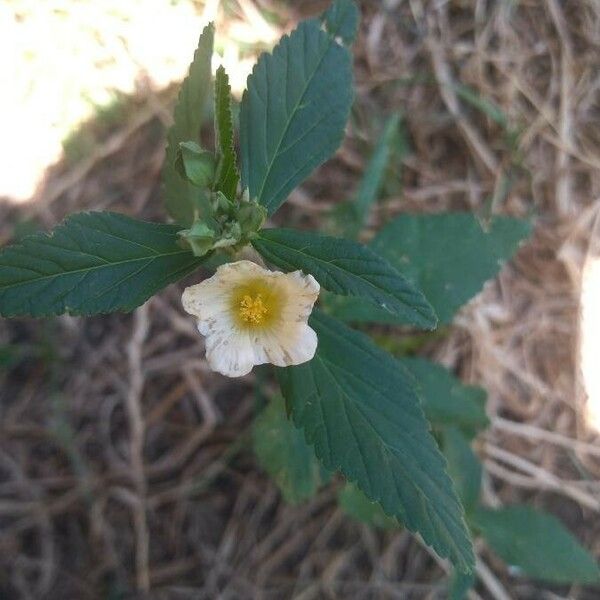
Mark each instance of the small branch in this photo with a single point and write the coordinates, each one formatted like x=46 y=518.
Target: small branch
x=567 y=84
x=137 y=429
x=535 y=433
x=544 y=478
x=491 y=582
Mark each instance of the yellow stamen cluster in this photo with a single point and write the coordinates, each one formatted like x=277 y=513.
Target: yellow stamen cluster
x=252 y=310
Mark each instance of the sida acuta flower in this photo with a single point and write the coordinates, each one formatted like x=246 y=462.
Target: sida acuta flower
x=251 y=316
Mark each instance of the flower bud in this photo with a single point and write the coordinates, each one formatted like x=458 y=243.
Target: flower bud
x=195 y=164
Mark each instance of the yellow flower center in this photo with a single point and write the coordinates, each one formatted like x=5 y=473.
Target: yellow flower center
x=257 y=304
x=252 y=310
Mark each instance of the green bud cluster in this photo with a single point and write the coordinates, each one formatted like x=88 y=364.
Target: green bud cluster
x=221 y=223
x=196 y=164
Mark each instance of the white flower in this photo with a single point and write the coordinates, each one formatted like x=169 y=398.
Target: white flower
x=251 y=316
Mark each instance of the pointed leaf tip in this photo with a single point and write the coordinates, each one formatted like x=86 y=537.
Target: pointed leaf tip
x=294 y=112
x=341 y=20
x=359 y=409
x=227 y=173
x=180 y=196
x=348 y=268
x=93 y=263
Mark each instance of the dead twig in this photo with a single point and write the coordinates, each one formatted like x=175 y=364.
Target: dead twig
x=135 y=416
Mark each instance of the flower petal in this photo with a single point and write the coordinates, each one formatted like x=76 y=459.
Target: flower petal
x=302 y=293
x=209 y=301
x=240 y=271
x=230 y=353
x=232 y=349
x=293 y=344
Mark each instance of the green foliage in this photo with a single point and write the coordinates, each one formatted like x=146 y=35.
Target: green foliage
x=341 y=20
x=227 y=175
x=350 y=217
x=228 y=224
x=348 y=268
x=284 y=454
x=92 y=263
x=200 y=237
x=448 y=256
x=294 y=112
x=485 y=105
x=537 y=543
x=355 y=408
x=446 y=400
x=460 y=584
x=182 y=198
x=358 y=506
x=360 y=410
x=408 y=344
x=356 y=310
x=463 y=467
x=195 y=164
x=373 y=178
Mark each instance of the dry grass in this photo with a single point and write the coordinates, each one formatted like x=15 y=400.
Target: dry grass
x=126 y=465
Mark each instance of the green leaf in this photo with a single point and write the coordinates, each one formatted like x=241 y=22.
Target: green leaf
x=195 y=164
x=448 y=256
x=360 y=410
x=485 y=105
x=460 y=585
x=351 y=217
x=341 y=20
x=227 y=175
x=200 y=238
x=536 y=543
x=370 y=185
x=356 y=310
x=294 y=112
x=463 y=466
x=446 y=400
x=284 y=454
x=92 y=263
x=348 y=268
x=182 y=198
x=358 y=506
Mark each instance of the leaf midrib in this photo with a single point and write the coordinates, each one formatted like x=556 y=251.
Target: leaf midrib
x=91 y=269
x=292 y=114
x=445 y=517
x=394 y=452
x=348 y=273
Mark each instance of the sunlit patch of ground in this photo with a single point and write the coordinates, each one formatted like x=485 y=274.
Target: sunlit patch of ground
x=65 y=60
